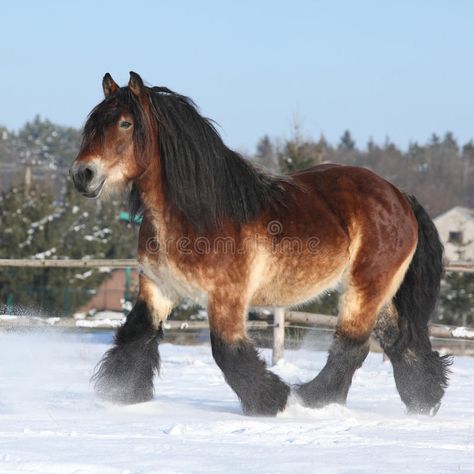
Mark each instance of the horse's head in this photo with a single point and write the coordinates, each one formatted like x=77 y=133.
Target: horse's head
x=116 y=139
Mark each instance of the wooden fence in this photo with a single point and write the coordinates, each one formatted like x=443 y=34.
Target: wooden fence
x=281 y=317
x=69 y=263
x=463 y=267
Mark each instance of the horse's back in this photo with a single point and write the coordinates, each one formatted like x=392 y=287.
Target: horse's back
x=357 y=195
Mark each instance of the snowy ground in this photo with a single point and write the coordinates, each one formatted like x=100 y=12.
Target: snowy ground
x=51 y=422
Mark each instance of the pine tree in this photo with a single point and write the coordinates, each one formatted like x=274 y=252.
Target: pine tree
x=457 y=296
x=266 y=155
x=450 y=143
x=346 y=142
x=36 y=225
x=298 y=153
x=42 y=142
x=457 y=299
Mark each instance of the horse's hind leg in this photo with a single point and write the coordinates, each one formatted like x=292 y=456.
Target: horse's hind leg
x=125 y=374
x=260 y=391
x=420 y=373
x=369 y=287
x=348 y=351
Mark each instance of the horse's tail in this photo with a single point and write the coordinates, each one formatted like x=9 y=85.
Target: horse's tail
x=417 y=296
x=421 y=374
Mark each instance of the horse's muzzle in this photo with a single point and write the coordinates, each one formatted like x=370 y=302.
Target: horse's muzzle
x=87 y=179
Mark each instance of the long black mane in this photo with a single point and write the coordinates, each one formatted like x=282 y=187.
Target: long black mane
x=205 y=181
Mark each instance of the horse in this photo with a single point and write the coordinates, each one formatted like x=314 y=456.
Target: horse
x=228 y=235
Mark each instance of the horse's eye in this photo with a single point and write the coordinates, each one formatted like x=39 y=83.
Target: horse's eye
x=125 y=124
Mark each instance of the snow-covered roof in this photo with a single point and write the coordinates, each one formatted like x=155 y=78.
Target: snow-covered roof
x=465 y=212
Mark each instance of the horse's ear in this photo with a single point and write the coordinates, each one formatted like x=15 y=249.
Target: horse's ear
x=135 y=84
x=109 y=85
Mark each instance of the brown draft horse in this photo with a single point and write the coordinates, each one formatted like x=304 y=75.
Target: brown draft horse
x=227 y=235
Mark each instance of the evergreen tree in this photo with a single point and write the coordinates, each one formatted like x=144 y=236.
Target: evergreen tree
x=457 y=296
x=266 y=155
x=346 y=142
x=42 y=142
x=298 y=153
x=327 y=303
x=468 y=150
x=450 y=143
x=457 y=299
x=35 y=225
x=434 y=139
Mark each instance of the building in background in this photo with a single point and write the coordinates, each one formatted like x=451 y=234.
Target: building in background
x=113 y=293
x=456 y=229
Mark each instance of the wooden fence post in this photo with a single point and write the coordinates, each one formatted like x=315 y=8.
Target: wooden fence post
x=278 y=334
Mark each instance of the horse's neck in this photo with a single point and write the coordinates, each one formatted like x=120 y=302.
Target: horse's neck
x=151 y=193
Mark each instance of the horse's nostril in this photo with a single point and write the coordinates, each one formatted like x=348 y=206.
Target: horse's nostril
x=82 y=176
x=88 y=174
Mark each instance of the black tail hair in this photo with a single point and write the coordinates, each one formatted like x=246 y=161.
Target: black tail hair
x=421 y=374
x=417 y=296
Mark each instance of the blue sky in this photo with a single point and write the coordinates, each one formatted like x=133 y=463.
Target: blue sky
x=402 y=69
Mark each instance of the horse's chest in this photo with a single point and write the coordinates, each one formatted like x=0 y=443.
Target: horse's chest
x=174 y=283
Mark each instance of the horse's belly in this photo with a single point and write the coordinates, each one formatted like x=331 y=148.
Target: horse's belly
x=172 y=284
x=295 y=287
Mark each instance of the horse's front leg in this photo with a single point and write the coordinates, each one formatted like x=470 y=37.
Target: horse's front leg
x=260 y=391
x=125 y=374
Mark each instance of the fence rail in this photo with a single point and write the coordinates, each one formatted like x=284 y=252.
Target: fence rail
x=462 y=267
x=69 y=263
x=330 y=322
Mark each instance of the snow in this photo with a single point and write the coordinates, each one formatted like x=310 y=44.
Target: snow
x=99 y=323
x=51 y=422
x=463 y=332
x=45 y=254
x=31 y=319
x=53 y=320
x=9 y=317
x=107 y=314
x=100 y=319
x=100 y=235
x=104 y=323
x=84 y=275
